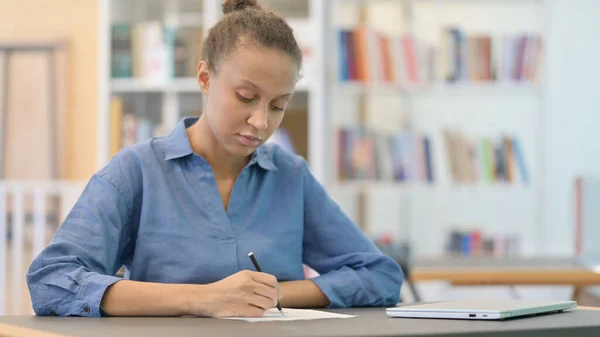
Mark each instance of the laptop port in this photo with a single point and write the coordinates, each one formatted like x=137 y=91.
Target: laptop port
x=472 y=315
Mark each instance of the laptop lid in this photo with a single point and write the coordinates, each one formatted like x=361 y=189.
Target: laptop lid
x=480 y=309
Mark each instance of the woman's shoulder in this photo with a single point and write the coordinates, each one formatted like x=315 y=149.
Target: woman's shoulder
x=284 y=160
x=132 y=154
x=127 y=164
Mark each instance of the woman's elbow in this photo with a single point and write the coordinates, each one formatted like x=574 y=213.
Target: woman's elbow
x=47 y=298
x=38 y=298
x=46 y=301
x=391 y=278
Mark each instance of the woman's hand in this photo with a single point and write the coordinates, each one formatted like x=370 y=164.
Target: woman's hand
x=244 y=294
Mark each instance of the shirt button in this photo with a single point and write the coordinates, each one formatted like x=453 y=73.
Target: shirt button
x=86 y=309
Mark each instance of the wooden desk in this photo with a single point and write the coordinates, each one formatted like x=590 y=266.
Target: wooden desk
x=370 y=322
x=588 y=308
x=487 y=271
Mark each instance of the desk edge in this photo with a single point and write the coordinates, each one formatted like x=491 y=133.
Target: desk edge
x=7 y=330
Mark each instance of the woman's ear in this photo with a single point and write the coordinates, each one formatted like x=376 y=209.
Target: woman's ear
x=203 y=76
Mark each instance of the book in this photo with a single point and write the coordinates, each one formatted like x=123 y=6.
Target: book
x=383 y=156
x=121 y=60
x=479 y=58
x=484 y=159
x=116 y=122
x=369 y=56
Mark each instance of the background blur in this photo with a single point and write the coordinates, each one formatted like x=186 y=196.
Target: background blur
x=442 y=127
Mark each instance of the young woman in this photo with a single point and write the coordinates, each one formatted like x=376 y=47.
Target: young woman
x=182 y=212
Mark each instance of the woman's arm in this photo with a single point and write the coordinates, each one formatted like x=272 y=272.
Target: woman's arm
x=69 y=277
x=246 y=294
x=353 y=271
x=302 y=294
x=132 y=298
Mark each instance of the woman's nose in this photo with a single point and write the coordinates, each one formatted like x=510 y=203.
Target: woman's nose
x=259 y=119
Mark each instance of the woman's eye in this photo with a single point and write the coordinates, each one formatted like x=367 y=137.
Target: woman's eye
x=244 y=99
x=276 y=108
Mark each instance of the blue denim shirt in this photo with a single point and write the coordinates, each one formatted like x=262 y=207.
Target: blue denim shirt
x=155 y=209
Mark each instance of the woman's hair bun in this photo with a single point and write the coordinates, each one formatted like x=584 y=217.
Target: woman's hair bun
x=229 y=6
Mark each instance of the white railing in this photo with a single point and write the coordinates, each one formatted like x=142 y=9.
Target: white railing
x=30 y=212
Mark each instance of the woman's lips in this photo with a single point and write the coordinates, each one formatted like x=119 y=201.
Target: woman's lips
x=249 y=140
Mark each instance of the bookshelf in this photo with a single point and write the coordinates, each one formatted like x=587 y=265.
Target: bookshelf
x=148 y=53
x=419 y=85
x=479 y=105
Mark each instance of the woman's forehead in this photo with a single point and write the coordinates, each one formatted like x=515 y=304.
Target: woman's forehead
x=263 y=66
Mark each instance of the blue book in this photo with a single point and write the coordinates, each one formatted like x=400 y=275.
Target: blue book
x=520 y=159
x=428 y=158
x=466 y=244
x=343 y=53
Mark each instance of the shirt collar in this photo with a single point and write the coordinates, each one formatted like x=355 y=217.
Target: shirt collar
x=177 y=145
x=264 y=156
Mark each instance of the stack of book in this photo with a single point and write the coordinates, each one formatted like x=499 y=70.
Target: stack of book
x=154 y=52
x=368 y=155
x=475 y=243
x=127 y=128
x=485 y=58
x=368 y=56
x=471 y=160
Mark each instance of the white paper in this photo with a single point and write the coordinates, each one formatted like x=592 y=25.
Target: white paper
x=292 y=315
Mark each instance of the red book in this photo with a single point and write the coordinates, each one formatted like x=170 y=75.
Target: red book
x=410 y=55
x=386 y=61
x=476 y=243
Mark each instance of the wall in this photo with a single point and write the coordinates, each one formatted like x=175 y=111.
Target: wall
x=76 y=22
x=572 y=141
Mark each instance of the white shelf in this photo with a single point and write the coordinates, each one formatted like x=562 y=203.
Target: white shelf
x=479 y=189
x=466 y=88
x=480 y=88
x=374 y=185
x=303 y=84
x=139 y=85
x=411 y=187
x=355 y=87
x=190 y=19
x=187 y=84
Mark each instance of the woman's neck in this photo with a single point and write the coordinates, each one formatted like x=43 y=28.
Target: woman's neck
x=204 y=143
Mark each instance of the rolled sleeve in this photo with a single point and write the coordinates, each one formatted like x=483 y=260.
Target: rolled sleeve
x=87 y=302
x=354 y=272
x=70 y=276
x=338 y=289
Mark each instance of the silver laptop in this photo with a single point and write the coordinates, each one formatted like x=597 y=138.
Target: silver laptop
x=484 y=309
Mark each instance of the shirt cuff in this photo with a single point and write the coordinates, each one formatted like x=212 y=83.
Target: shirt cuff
x=88 y=299
x=338 y=288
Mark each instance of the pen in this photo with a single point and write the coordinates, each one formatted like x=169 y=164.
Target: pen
x=255 y=263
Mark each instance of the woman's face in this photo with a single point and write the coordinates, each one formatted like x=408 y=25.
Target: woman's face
x=247 y=96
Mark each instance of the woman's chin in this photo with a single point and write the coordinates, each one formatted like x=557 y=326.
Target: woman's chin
x=241 y=150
